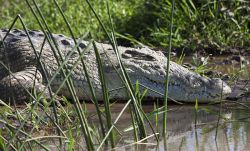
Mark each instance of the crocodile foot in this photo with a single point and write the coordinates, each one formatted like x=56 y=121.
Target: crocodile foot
x=18 y=87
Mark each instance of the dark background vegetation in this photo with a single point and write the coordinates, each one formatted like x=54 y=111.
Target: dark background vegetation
x=205 y=25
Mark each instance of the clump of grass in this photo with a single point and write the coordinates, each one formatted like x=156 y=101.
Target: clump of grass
x=78 y=13
x=198 y=25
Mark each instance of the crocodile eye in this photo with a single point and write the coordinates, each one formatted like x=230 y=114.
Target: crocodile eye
x=65 y=42
x=60 y=35
x=16 y=31
x=23 y=35
x=137 y=55
x=31 y=33
x=4 y=30
x=40 y=35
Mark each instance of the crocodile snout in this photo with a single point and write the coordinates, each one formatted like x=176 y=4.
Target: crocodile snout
x=219 y=86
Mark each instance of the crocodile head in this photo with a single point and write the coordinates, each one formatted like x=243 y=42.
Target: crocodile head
x=149 y=68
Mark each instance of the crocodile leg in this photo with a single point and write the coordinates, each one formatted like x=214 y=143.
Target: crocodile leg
x=19 y=85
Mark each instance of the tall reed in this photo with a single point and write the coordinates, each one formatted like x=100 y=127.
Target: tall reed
x=167 y=78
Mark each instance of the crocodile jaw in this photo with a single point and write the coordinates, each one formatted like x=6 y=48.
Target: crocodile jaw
x=207 y=90
x=212 y=90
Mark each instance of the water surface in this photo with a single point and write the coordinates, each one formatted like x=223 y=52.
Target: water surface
x=191 y=130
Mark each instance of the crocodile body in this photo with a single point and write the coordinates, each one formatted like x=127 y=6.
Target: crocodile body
x=142 y=64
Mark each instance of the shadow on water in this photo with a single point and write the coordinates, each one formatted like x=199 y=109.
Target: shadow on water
x=183 y=135
x=233 y=133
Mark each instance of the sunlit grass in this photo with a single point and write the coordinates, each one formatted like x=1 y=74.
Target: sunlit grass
x=197 y=25
x=66 y=124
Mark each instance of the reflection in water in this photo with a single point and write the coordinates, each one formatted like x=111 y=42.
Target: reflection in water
x=228 y=138
x=233 y=130
x=233 y=134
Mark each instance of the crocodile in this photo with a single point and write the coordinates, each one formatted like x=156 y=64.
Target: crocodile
x=20 y=71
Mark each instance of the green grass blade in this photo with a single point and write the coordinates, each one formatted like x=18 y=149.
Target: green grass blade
x=167 y=77
x=104 y=93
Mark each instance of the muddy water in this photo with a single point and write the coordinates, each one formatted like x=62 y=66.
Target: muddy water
x=191 y=130
x=232 y=133
x=188 y=130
